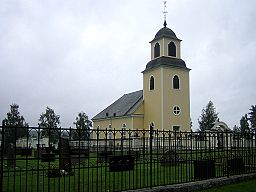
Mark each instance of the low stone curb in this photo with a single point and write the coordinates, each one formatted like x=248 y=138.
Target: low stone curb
x=199 y=185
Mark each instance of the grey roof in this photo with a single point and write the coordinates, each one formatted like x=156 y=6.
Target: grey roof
x=165 y=32
x=121 y=107
x=166 y=61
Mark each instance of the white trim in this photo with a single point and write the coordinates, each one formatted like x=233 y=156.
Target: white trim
x=162 y=96
x=163 y=48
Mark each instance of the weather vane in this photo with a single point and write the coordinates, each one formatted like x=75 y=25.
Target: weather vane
x=165 y=12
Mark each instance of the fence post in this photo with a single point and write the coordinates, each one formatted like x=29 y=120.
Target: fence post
x=227 y=153
x=150 y=154
x=2 y=156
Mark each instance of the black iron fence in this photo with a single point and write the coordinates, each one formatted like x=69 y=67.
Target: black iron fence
x=38 y=159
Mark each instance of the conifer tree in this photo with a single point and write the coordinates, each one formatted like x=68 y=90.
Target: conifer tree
x=49 y=121
x=15 y=125
x=252 y=118
x=207 y=117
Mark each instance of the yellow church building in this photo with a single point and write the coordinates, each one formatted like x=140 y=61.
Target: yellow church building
x=164 y=102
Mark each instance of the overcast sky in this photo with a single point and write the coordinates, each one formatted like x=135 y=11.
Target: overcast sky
x=82 y=55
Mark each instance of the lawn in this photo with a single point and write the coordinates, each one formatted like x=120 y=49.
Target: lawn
x=246 y=186
x=30 y=174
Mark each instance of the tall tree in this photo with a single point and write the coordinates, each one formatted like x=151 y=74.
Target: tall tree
x=207 y=117
x=252 y=118
x=83 y=126
x=15 y=125
x=244 y=126
x=236 y=132
x=49 y=121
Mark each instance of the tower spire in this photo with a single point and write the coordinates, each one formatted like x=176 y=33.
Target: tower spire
x=165 y=12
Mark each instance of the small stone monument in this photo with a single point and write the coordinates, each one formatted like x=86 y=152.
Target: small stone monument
x=170 y=158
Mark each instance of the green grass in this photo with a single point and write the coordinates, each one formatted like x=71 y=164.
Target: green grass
x=246 y=186
x=31 y=174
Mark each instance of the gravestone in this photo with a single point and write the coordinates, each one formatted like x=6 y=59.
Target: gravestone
x=104 y=156
x=64 y=155
x=135 y=154
x=11 y=161
x=170 y=158
x=38 y=153
x=121 y=163
x=26 y=151
x=78 y=156
x=235 y=166
x=204 y=169
x=48 y=157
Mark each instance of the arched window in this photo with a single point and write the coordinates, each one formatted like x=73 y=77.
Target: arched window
x=156 y=50
x=124 y=130
x=152 y=83
x=152 y=125
x=176 y=82
x=172 y=49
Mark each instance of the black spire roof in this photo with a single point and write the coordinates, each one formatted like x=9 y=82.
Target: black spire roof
x=165 y=32
x=166 y=61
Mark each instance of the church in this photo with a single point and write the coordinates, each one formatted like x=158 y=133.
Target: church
x=164 y=102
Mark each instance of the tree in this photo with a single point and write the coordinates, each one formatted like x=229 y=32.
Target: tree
x=252 y=118
x=208 y=117
x=236 y=132
x=83 y=126
x=49 y=121
x=244 y=126
x=15 y=125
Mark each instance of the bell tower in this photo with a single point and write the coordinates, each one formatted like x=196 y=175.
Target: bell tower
x=166 y=84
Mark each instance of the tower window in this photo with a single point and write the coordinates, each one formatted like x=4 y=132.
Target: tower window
x=176 y=128
x=152 y=83
x=152 y=125
x=176 y=82
x=172 y=49
x=124 y=130
x=156 y=50
x=176 y=110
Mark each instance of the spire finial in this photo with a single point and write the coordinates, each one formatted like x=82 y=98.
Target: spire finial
x=165 y=12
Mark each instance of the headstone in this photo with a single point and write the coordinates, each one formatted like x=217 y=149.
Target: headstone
x=64 y=155
x=235 y=166
x=11 y=161
x=38 y=153
x=48 y=157
x=104 y=156
x=135 y=153
x=26 y=151
x=204 y=169
x=170 y=158
x=121 y=163
x=78 y=156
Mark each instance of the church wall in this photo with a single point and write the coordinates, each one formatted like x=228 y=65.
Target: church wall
x=139 y=110
x=173 y=97
x=152 y=100
x=138 y=122
x=131 y=122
